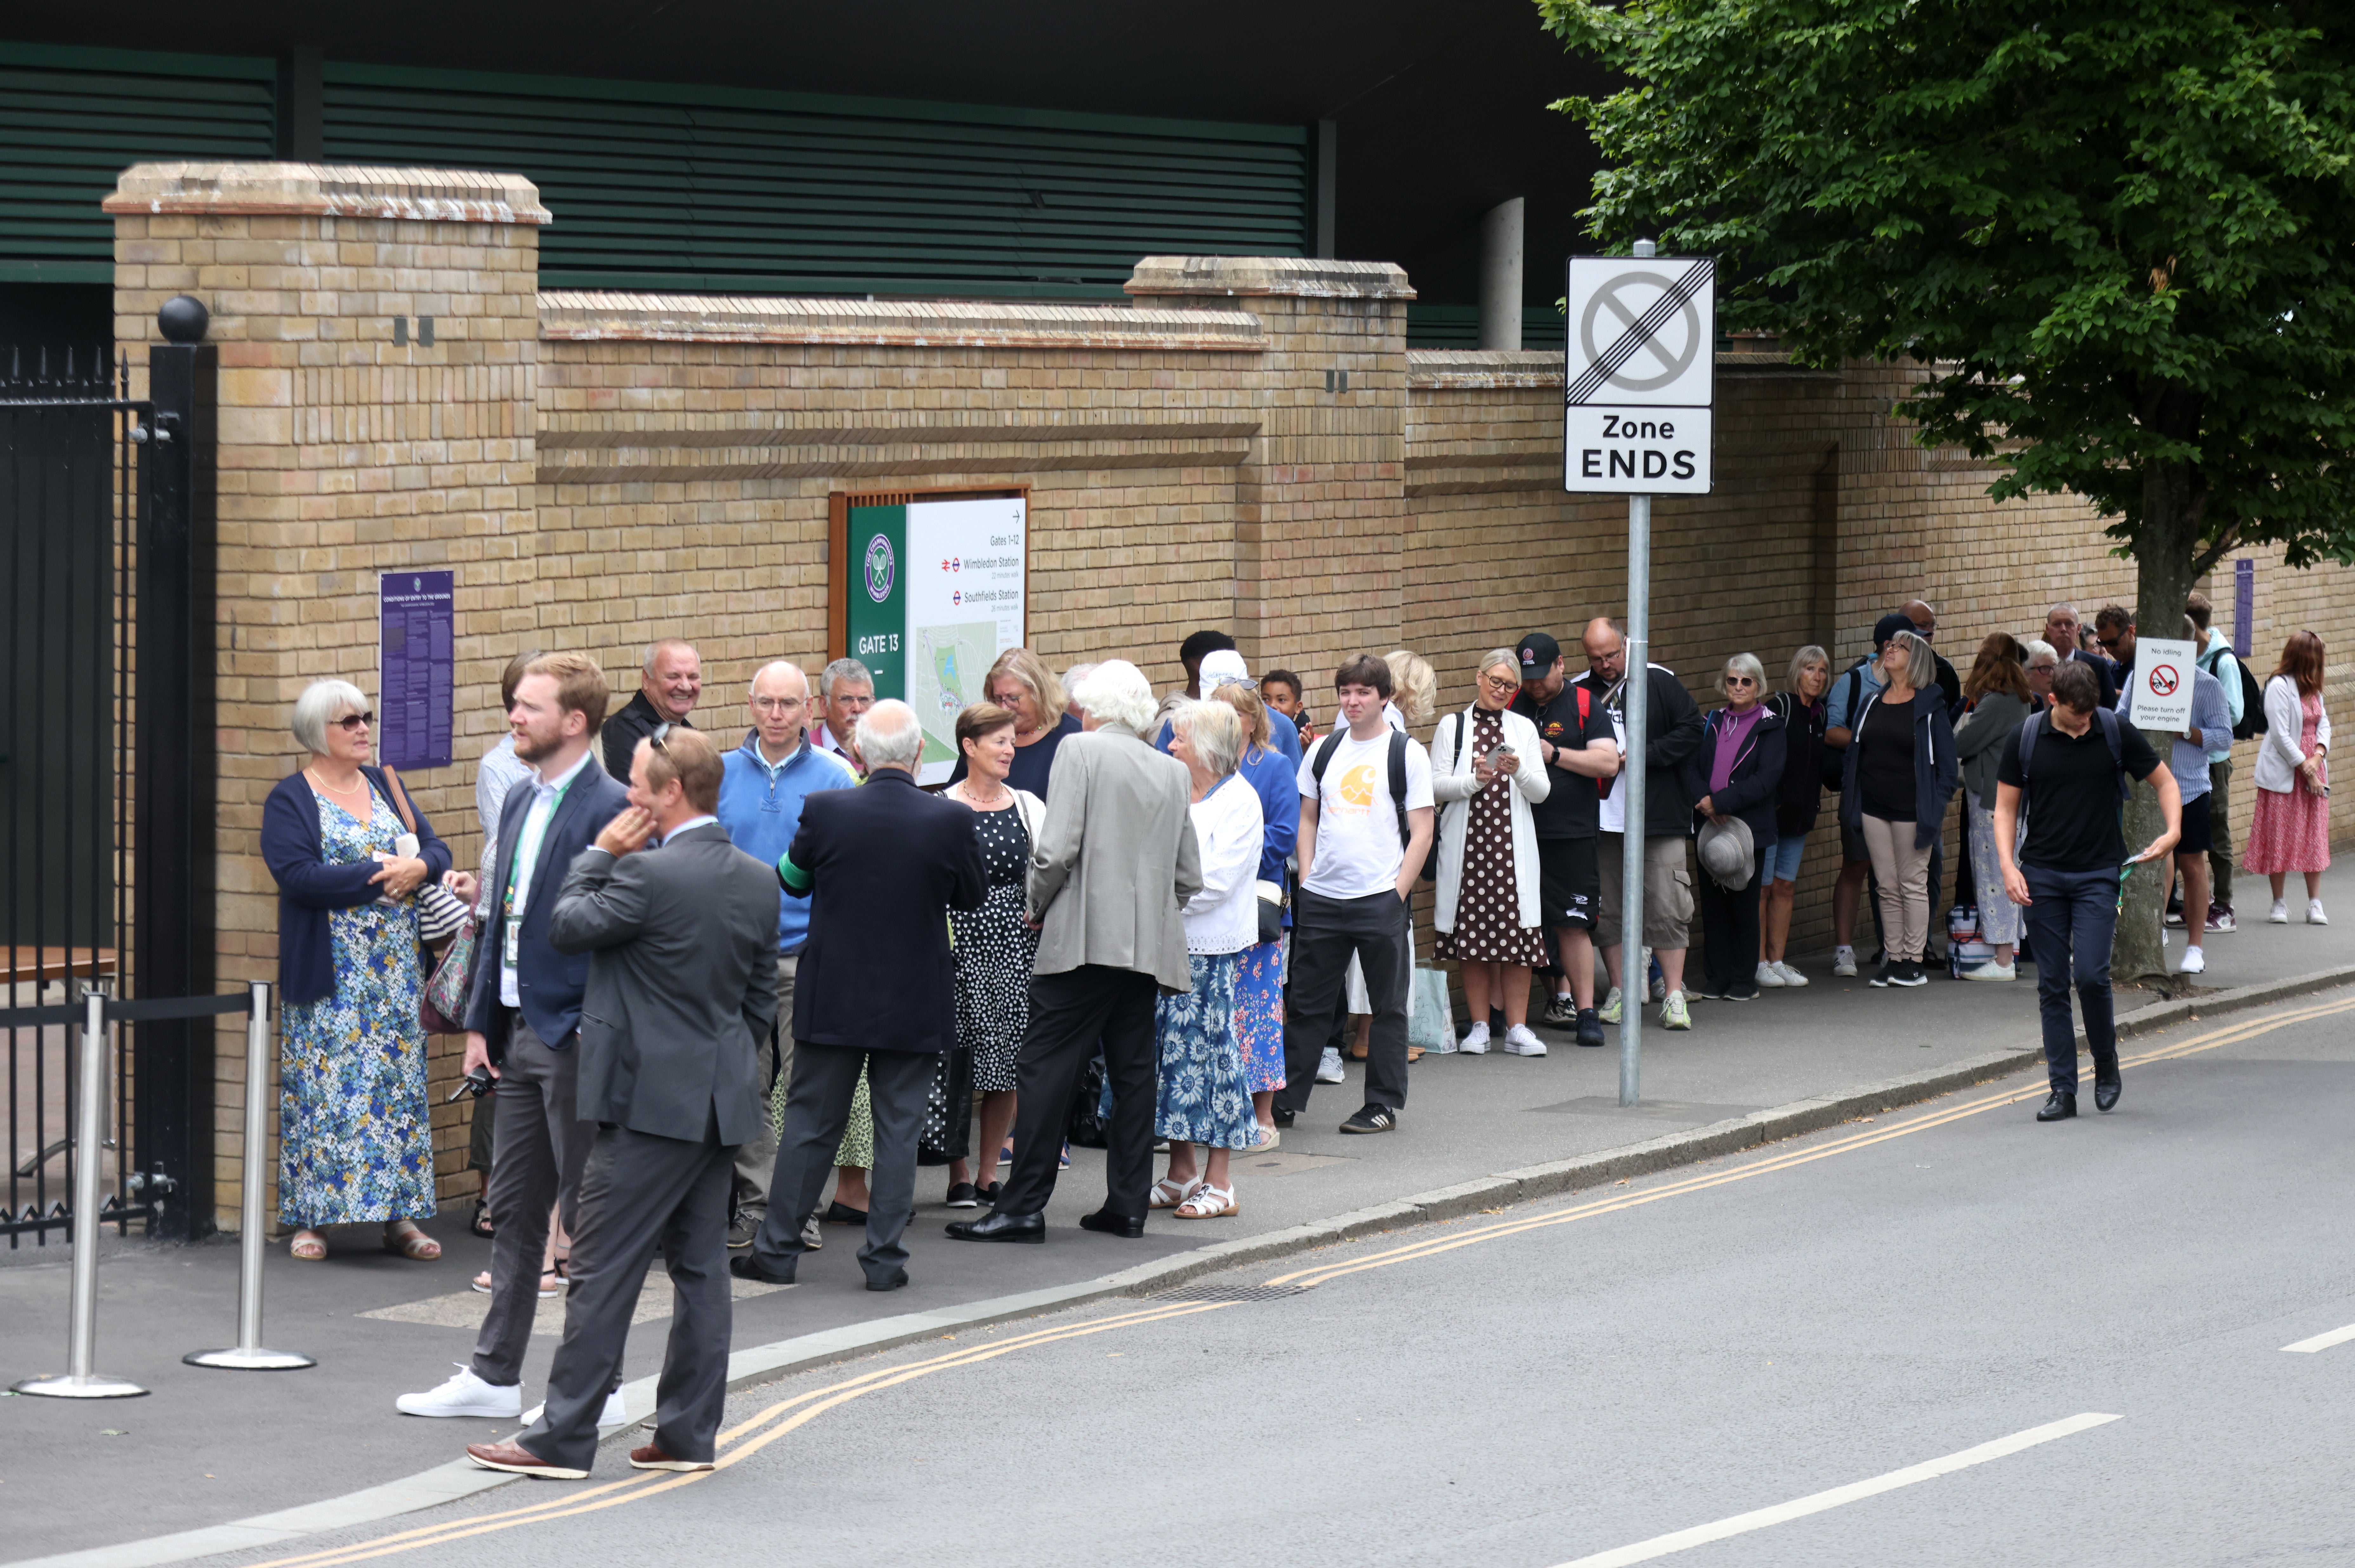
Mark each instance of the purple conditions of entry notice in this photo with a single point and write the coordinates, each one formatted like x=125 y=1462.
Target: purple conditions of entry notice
x=413 y=702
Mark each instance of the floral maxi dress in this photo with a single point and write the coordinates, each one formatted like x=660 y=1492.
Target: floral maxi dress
x=355 y=1140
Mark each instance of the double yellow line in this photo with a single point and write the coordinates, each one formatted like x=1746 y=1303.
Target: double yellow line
x=1433 y=1246
x=747 y=1439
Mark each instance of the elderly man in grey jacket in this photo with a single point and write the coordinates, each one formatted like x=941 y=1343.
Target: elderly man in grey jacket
x=1114 y=864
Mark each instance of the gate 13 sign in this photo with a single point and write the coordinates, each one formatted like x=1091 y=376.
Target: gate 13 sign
x=933 y=591
x=1639 y=374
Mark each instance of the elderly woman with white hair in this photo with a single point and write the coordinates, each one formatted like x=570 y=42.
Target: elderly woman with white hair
x=1205 y=1096
x=1487 y=769
x=1736 y=776
x=349 y=851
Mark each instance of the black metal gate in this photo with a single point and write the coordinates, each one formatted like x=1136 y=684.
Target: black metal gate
x=102 y=523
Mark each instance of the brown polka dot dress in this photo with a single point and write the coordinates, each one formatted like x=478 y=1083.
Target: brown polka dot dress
x=1488 y=928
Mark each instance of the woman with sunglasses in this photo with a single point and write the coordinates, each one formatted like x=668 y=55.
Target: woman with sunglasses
x=349 y=851
x=1737 y=773
x=1487 y=769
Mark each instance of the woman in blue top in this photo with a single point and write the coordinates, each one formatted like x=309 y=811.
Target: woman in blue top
x=1258 y=983
x=1020 y=683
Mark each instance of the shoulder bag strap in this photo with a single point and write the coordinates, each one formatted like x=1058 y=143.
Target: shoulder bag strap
x=400 y=799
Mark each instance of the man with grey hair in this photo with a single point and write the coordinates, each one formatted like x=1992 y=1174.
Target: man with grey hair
x=669 y=681
x=882 y=866
x=2060 y=628
x=1072 y=679
x=1114 y=864
x=846 y=689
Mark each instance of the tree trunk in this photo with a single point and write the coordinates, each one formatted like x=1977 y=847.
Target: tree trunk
x=2165 y=547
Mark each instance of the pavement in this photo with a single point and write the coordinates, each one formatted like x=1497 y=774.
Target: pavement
x=213 y=1447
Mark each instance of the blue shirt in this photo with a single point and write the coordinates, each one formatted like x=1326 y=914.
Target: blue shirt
x=1837 y=716
x=2222 y=663
x=761 y=807
x=1282 y=736
x=1276 y=780
x=2211 y=715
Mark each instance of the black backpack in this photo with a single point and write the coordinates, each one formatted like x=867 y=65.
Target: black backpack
x=1324 y=756
x=2035 y=724
x=2253 y=696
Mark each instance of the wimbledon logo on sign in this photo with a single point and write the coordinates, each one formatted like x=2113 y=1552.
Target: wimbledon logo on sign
x=879 y=569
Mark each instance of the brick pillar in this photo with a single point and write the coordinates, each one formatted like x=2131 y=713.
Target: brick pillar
x=341 y=454
x=1321 y=520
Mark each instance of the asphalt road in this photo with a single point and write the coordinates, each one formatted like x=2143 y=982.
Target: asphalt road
x=1556 y=1381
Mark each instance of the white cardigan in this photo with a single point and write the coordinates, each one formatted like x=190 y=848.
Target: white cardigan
x=2278 y=755
x=1228 y=827
x=1453 y=787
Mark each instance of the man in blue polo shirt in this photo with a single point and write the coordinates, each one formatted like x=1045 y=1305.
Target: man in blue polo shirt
x=761 y=794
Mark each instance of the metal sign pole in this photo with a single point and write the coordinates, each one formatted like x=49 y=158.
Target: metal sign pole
x=1635 y=991
x=247 y=1355
x=79 y=1381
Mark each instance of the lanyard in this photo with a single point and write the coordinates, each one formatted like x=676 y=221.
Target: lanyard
x=528 y=843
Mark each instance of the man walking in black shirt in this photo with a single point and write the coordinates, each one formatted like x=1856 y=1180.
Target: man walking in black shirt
x=2065 y=769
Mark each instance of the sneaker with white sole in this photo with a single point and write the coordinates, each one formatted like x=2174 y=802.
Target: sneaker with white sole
x=2279 y=913
x=1672 y=1012
x=464 y=1394
x=1520 y=1041
x=1769 y=977
x=1609 y=1012
x=1790 y=976
x=1992 y=971
x=612 y=1415
x=2314 y=915
x=1476 y=1040
x=1371 y=1118
x=1329 y=1067
x=1844 y=963
x=2219 y=918
x=1562 y=1012
x=2194 y=961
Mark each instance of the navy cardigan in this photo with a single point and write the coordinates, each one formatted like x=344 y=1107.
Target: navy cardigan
x=1755 y=791
x=308 y=889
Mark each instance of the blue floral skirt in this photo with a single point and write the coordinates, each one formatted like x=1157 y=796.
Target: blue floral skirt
x=1259 y=1015
x=1204 y=1098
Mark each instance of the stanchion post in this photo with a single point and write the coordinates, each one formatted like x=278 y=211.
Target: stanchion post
x=79 y=1381
x=1636 y=992
x=247 y=1354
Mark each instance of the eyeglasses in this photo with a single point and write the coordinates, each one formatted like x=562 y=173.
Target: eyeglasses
x=776 y=704
x=2043 y=668
x=1493 y=684
x=350 y=722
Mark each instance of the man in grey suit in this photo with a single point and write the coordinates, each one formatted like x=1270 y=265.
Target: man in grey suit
x=682 y=992
x=1114 y=864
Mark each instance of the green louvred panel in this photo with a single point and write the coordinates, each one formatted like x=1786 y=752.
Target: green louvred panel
x=73 y=119
x=712 y=189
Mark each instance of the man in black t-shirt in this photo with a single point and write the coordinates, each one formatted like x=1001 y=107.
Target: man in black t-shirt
x=1582 y=756
x=2066 y=869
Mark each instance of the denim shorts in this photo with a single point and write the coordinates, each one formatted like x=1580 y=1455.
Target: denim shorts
x=1782 y=859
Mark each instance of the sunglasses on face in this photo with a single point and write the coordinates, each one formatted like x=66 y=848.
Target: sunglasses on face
x=2107 y=642
x=350 y=723
x=1739 y=681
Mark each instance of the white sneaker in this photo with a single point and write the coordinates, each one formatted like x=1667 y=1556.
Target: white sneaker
x=1611 y=1007
x=1790 y=976
x=1476 y=1039
x=1329 y=1067
x=612 y=1415
x=2193 y=964
x=464 y=1394
x=1844 y=963
x=1994 y=971
x=2314 y=915
x=1768 y=975
x=2279 y=913
x=1520 y=1041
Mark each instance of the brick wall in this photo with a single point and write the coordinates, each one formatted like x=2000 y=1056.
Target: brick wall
x=604 y=469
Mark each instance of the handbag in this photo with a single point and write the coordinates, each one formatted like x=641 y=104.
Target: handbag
x=1271 y=911
x=442 y=1006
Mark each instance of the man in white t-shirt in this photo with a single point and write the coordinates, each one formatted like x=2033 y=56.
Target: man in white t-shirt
x=1365 y=828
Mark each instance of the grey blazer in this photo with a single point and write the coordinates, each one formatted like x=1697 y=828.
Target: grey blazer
x=682 y=984
x=1116 y=860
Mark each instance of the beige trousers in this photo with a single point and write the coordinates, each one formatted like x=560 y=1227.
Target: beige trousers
x=1903 y=872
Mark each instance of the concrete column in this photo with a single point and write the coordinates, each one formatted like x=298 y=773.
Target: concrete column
x=1500 y=275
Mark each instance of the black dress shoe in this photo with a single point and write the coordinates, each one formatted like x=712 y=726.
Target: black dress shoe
x=897 y=1278
x=839 y=1213
x=2058 y=1108
x=2105 y=1088
x=1112 y=1224
x=1281 y=1118
x=997 y=1227
x=747 y=1265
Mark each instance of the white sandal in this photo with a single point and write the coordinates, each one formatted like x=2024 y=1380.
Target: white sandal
x=1208 y=1203
x=1169 y=1194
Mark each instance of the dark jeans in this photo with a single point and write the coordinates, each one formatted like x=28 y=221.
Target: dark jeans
x=1324 y=933
x=1729 y=927
x=2071 y=919
x=1070 y=1013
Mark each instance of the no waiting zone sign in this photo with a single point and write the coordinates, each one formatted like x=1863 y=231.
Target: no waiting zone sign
x=1639 y=375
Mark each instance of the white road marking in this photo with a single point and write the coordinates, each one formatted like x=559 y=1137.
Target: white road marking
x=1855 y=1491
x=2322 y=1342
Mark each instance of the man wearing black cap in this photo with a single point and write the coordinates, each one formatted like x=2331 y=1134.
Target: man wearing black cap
x=1848 y=698
x=1575 y=741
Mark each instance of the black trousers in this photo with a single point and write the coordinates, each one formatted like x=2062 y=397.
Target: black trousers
x=1069 y=1013
x=1728 y=926
x=543 y=1146
x=817 y=1107
x=1324 y=933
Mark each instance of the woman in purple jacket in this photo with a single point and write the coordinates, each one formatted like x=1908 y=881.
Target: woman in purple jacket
x=1736 y=772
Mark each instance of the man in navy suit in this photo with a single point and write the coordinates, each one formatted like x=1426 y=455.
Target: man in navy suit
x=522 y=1015
x=882 y=866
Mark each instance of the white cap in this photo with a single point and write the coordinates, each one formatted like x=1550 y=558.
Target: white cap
x=1224 y=667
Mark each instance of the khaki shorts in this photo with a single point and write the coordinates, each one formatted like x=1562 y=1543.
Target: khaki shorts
x=1667 y=892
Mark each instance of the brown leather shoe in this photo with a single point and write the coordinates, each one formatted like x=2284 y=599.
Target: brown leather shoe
x=652 y=1457
x=519 y=1460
